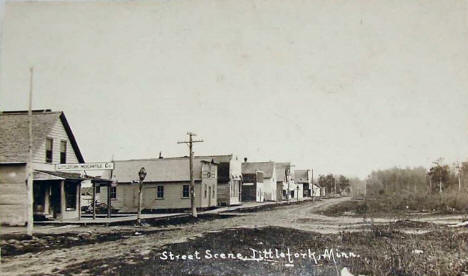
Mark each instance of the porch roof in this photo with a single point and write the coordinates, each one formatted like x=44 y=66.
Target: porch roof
x=54 y=175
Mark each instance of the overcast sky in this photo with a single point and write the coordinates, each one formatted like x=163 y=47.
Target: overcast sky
x=338 y=86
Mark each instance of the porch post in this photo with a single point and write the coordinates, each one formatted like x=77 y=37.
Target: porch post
x=62 y=199
x=94 y=200
x=47 y=200
x=240 y=190
x=78 y=196
x=109 y=207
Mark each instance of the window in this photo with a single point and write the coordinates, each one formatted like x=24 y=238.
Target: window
x=160 y=192
x=70 y=196
x=205 y=190
x=98 y=189
x=48 y=152
x=185 y=191
x=63 y=152
x=113 y=192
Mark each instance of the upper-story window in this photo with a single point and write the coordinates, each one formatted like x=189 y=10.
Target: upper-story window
x=63 y=152
x=49 y=152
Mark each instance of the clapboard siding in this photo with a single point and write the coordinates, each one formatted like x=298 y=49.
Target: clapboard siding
x=270 y=189
x=224 y=193
x=13 y=214
x=57 y=133
x=12 y=188
x=12 y=199
x=13 y=194
x=127 y=196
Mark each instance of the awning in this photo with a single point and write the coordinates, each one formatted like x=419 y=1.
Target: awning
x=54 y=175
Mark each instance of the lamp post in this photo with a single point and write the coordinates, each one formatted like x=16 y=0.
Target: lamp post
x=141 y=175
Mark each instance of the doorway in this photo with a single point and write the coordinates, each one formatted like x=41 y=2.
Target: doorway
x=209 y=196
x=55 y=200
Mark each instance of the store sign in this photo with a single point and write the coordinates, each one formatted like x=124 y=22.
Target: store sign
x=85 y=166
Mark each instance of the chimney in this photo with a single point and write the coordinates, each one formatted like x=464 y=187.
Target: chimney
x=245 y=159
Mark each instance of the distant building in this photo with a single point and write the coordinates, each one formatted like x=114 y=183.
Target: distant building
x=323 y=191
x=271 y=191
x=229 y=178
x=285 y=179
x=304 y=178
x=252 y=187
x=166 y=186
x=56 y=194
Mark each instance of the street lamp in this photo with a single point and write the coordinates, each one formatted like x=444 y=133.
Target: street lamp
x=141 y=175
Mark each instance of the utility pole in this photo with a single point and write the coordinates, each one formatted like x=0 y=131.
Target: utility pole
x=288 y=195
x=192 y=182
x=29 y=188
x=459 y=170
x=439 y=173
x=311 y=190
x=141 y=175
x=459 y=179
x=334 y=183
x=430 y=183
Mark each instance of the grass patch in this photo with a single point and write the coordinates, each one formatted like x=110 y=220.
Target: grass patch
x=401 y=205
x=383 y=250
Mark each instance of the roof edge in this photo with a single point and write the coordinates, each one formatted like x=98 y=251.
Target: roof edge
x=69 y=131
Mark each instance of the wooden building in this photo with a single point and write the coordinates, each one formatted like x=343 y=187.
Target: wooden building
x=270 y=185
x=252 y=187
x=56 y=194
x=229 y=178
x=285 y=180
x=316 y=191
x=166 y=186
x=304 y=178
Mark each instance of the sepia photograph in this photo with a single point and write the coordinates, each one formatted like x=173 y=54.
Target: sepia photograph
x=234 y=137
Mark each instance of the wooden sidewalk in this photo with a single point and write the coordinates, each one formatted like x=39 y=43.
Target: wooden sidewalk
x=131 y=218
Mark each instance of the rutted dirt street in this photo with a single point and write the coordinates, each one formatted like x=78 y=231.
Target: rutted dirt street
x=138 y=241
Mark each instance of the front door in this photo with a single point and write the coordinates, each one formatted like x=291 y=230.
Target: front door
x=55 y=199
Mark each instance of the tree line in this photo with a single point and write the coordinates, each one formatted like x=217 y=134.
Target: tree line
x=334 y=184
x=437 y=179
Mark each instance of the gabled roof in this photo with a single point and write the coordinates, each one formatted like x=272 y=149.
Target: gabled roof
x=14 y=133
x=252 y=167
x=301 y=176
x=281 y=168
x=158 y=170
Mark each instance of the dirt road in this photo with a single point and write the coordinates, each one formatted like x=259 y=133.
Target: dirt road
x=140 y=241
